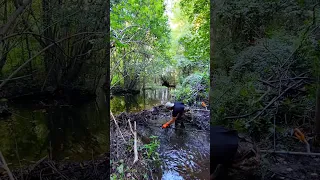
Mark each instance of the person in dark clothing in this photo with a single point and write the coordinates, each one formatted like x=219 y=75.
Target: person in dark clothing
x=223 y=148
x=177 y=113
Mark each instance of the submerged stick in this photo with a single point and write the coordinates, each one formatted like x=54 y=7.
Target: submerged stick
x=290 y=152
x=114 y=119
x=5 y=166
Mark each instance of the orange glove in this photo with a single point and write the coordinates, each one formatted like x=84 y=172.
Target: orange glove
x=165 y=125
x=300 y=135
x=203 y=104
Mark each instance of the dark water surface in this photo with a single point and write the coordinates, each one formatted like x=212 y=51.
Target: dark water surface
x=74 y=133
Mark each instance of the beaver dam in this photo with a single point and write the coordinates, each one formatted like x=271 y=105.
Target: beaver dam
x=162 y=153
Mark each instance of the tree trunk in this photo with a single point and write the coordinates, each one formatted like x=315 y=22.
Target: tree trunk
x=10 y=21
x=317 y=115
x=29 y=55
x=5 y=46
x=49 y=59
x=211 y=52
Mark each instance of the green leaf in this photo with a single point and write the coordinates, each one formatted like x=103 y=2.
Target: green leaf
x=120 y=169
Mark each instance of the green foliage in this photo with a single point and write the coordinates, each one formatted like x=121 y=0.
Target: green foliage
x=141 y=38
x=190 y=49
x=151 y=149
x=197 y=43
x=193 y=88
x=257 y=42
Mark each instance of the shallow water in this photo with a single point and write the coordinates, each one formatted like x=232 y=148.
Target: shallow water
x=184 y=154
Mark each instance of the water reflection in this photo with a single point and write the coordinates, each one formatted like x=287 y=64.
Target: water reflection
x=135 y=103
x=75 y=133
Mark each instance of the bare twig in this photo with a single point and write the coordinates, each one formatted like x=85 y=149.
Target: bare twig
x=40 y=52
x=115 y=121
x=275 y=99
x=55 y=169
x=290 y=152
x=135 y=143
x=6 y=27
x=243 y=116
x=37 y=163
x=21 y=77
x=5 y=166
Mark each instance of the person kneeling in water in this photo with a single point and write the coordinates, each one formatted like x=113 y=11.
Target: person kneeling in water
x=177 y=112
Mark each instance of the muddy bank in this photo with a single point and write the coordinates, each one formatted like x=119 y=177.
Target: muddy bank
x=47 y=169
x=194 y=116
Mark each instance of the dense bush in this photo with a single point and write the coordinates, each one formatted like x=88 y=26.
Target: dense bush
x=266 y=63
x=193 y=88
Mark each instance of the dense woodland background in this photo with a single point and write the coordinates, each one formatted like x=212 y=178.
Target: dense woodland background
x=49 y=44
x=148 y=53
x=265 y=66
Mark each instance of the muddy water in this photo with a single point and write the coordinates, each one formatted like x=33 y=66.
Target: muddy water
x=184 y=153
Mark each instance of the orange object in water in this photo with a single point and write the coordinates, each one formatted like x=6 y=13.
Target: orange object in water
x=203 y=104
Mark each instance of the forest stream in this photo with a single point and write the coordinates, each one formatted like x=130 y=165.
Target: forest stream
x=79 y=133
x=183 y=153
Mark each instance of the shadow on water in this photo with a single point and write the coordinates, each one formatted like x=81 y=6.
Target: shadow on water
x=64 y=133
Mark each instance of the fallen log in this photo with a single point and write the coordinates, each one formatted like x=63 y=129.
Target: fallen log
x=290 y=152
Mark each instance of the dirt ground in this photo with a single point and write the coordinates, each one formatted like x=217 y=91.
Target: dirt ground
x=288 y=167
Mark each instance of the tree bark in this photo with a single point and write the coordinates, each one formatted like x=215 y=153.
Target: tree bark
x=5 y=46
x=212 y=34
x=49 y=59
x=6 y=27
x=317 y=115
